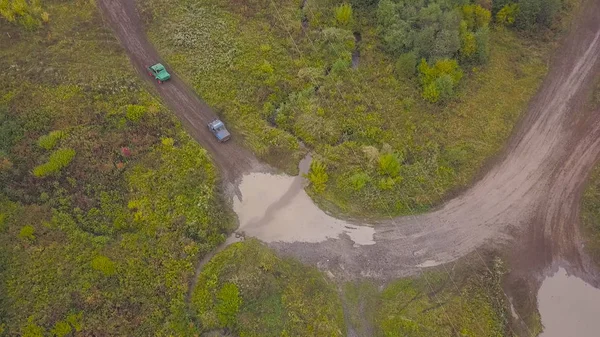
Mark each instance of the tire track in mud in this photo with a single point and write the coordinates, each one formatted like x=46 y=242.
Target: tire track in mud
x=529 y=197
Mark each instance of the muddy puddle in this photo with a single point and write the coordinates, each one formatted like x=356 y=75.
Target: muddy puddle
x=569 y=307
x=276 y=208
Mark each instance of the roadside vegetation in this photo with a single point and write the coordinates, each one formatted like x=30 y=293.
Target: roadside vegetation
x=431 y=88
x=590 y=215
x=249 y=291
x=466 y=300
x=106 y=204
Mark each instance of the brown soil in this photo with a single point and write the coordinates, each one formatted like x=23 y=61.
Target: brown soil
x=231 y=158
x=529 y=197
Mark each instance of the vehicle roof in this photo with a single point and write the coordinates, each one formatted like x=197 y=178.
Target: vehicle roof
x=158 y=67
x=223 y=133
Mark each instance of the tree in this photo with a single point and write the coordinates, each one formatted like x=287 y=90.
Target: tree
x=476 y=16
x=533 y=13
x=228 y=304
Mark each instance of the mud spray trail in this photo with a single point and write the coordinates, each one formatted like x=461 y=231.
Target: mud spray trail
x=530 y=194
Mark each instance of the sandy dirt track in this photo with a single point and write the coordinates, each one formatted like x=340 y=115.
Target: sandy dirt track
x=232 y=159
x=530 y=196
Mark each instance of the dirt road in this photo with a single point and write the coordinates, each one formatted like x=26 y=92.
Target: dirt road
x=530 y=196
x=231 y=158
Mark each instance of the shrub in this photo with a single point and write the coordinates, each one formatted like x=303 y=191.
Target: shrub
x=406 y=65
x=339 y=66
x=389 y=165
x=61 y=329
x=135 y=112
x=440 y=80
x=507 y=15
x=49 y=141
x=104 y=265
x=359 y=180
x=228 y=304
x=476 y=16
x=386 y=183
x=31 y=329
x=28 y=14
x=317 y=176
x=27 y=233
x=343 y=14
x=58 y=160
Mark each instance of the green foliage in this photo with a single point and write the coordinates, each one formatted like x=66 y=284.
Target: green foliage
x=389 y=165
x=104 y=265
x=474 y=34
x=343 y=14
x=536 y=13
x=433 y=305
x=61 y=329
x=31 y=329
x=429 y=30
x=27 y=233
x=590 y=215
x=135 y=112
x=317 y=176
x=11 y=130
x=339 y=114
x=28 y=14
x=359 y=180
x=58 y=160
x=228 y=304
x=507 y=15
x=475 y=16
x=440 y=80
x=406 y=65
x=49 y=141
x=177 y=216
x=269 y=295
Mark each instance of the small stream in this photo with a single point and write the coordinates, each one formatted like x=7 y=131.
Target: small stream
x=569 y=307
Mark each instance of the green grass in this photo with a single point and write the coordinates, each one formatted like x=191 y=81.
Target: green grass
x=256 y=66
x=590 y=215
x=465 y=302
x=107 y=243
x=268 y=296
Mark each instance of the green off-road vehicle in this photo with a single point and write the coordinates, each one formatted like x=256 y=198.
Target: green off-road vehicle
x=159 y=72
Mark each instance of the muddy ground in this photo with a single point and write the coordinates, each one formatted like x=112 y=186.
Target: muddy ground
x=528 y=200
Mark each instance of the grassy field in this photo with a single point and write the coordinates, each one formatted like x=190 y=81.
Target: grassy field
x=105 y=203
x=256 y=65
x=463 y=301
x=271 y=296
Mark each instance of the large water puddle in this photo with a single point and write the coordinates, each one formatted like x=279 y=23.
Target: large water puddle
x=569 y=307
x=276 y=208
